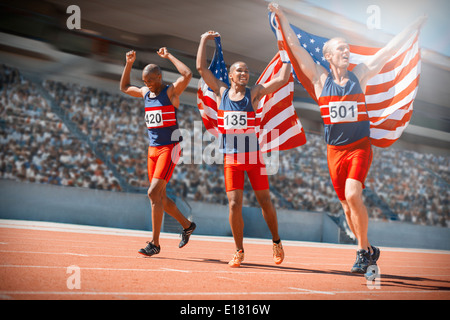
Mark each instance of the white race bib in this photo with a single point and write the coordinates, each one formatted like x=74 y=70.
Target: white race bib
x=343 y=111
x=235 y=120
x=153 y=118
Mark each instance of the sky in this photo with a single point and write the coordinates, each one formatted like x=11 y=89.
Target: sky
x=397 y=14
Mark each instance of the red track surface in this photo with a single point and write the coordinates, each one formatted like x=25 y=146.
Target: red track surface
x=35 y=257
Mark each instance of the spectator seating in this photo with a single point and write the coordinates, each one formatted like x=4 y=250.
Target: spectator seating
x=37 y=146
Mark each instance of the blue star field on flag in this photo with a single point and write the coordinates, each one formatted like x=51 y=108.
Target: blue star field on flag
x=312 y=43
x=218 y=66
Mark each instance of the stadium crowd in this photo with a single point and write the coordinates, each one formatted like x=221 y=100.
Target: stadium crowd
x=37 y=146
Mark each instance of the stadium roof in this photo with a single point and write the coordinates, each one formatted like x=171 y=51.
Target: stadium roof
x=111 y=27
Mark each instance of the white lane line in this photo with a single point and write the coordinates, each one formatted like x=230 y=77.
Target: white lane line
x=174 y=294
x=312 y=291
x=97 y=268
x=56 y=253
x=225 y=271
x=63 y=227
x=175 y=270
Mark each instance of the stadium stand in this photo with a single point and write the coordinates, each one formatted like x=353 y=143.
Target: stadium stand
x=71 y=135
x=37 y=146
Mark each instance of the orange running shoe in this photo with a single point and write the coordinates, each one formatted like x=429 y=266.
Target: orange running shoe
x=237 y=259
x=278 y=253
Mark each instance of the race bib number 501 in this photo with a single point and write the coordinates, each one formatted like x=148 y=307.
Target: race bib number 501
x=343 y=111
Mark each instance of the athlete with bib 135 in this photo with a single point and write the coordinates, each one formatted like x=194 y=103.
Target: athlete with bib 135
x=239 y=144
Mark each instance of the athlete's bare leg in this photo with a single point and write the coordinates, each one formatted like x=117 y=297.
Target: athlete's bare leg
x=171 y=208
x=155 y=194
x=348 y=215
x=268 y=211
x=356 y=212
x=160 y=203
x=235 y=217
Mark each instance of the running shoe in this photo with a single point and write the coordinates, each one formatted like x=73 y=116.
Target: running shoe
x=186 y=234
x=237 y=259
x=278 y=253
x=375 y=255
x=150 y=249
x=363 y=260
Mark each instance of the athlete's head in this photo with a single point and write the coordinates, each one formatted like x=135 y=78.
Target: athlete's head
x=337 y=52
x=151 y=75
x=239 y=73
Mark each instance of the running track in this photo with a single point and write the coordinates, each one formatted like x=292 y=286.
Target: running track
x=35 y=261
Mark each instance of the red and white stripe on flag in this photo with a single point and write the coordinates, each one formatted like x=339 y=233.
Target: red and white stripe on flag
x=207 y=105
x=279 y=127
x=390 y=94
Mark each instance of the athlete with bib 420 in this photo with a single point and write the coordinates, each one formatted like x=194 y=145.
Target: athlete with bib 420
x=347 y=127
x=236 y=124
x=160 y=105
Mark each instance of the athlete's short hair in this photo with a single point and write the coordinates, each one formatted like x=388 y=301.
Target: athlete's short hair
x=234 y=65
x=327 y=45
x=152 y=68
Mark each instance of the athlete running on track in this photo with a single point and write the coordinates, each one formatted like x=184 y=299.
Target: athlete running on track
x=161 y=104
x=237 y=106
x=349 y=150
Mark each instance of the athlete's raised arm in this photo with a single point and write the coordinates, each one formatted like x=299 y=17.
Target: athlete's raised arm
x=177 y=88
x=125 y=85
x=370 y=68
x=260 y=90
x=213 y=83
x=312 y=70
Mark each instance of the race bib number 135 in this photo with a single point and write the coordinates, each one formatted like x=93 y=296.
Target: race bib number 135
x=235 y=120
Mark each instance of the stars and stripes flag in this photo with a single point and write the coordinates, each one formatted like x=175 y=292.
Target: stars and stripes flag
x=277 y=124
x=389 y=95
x=206 y=98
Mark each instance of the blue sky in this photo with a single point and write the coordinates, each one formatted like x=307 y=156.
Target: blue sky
x=397 y=14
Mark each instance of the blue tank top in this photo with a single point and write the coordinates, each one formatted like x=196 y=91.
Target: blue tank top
x=236 y=122
x=161 y=119
x=343 y=110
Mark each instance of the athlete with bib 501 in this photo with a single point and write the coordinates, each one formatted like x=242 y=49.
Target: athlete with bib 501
x=344 y=114
x=161 y=104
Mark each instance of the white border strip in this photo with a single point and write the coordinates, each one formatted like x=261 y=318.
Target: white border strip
x=63 y=227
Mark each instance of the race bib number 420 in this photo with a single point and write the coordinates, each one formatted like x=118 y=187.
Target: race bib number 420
x=343 y=111
x=153 y=118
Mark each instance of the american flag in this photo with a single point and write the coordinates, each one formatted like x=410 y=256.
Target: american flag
x=389 y=95
x=206 y=98
x=277 y=124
